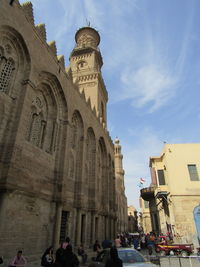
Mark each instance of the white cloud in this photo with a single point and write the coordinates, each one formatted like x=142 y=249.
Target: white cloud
x=148 y=84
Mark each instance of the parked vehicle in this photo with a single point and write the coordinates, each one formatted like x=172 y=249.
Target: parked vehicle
x=167 y=248
x=129 y=256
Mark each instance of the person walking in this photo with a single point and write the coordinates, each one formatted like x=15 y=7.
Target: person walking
x=143 y=241
x=71 y=259
x=151 y=243
x=66 y=258
x=81 y=252
x=117 y=242
x=47 y=258
x=65 y=243
x=19 y=260
x=97 y=247
x=114 y=260
x=60 y=256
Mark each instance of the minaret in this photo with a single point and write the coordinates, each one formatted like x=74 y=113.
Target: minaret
x=119 y=171
x=85 y=63
x=121 y=200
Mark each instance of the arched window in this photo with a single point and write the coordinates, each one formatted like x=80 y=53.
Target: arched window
x=37 y=130
x=6 y=73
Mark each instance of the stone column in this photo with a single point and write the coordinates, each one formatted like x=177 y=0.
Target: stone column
x=96 y=228
x=107 y=227
x=57 y=225
x=112 y=228
x=70 y=230
x=100 y=228
x=84 y=222
x=88 y=228
x=92 y=233
x=78 y=227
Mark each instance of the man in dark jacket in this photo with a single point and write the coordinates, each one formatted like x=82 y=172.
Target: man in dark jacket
x=65 y=257
x=114 y=260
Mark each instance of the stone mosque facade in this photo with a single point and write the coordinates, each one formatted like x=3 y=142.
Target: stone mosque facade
x=57 y=160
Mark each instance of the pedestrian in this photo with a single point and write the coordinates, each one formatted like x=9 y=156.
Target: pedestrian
x=47 y=258
x=19 y=260
x=97 y=247
x=81 y=252
x=136 y=242
x=1 y=259
x=143 y=241
x=118 y=242
x=60 y=256
x=114 y=260
x=71 y=259
x=66 y=242
x=106 y=244
x=151 y=243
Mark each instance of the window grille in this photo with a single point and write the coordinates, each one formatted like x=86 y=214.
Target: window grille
x=192 y=168
x=6 y=73
x=63 y=225
x=161 y=177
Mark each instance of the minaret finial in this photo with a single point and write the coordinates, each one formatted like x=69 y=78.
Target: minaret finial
x=88 y=23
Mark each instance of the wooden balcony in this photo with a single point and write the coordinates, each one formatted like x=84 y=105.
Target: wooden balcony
x=147 y=193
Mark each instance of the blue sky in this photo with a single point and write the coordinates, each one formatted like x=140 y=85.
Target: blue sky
x=151 y=53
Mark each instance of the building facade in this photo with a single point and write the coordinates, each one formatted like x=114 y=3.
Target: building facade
x=144 y=217
x=175 y=191
x=57 y=162
x=132 y=219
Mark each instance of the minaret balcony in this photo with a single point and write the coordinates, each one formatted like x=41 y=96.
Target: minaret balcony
x=147 y=193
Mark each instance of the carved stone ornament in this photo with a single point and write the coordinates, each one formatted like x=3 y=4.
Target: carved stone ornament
x=38 y=102
x=8 y=49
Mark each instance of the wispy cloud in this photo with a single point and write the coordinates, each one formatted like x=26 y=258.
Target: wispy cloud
x=148 y=84
x=180 y=64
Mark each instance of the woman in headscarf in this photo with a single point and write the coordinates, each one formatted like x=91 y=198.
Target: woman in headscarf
x=47 y=258
x=114 y=260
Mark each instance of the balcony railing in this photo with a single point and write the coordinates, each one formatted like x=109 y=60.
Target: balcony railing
x=147 y=193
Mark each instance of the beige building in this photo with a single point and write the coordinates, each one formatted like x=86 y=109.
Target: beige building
x=144 y=217
x=175 y=191
x=132 y=219
x=57 y=161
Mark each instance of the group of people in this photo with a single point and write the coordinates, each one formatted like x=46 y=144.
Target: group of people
x=64 y=256
x=138 y=241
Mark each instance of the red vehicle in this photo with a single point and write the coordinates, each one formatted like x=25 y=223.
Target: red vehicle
x=167 y=248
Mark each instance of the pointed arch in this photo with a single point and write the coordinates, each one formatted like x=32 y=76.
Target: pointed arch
x=77 y=137
x=15 y=66
x=15 y=62
x=91 y=163
x=50 y=112
x=102 y=172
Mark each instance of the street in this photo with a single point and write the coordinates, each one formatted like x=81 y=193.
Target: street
x=167 y=261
